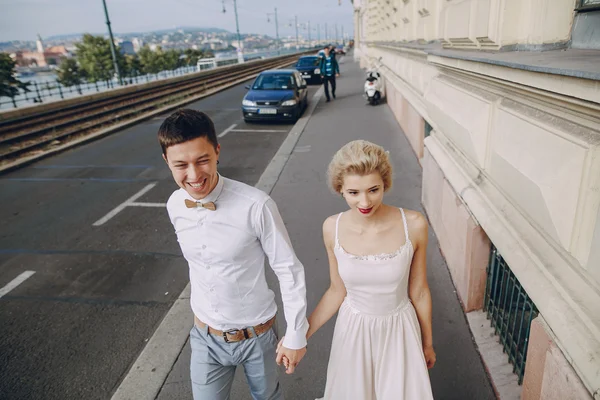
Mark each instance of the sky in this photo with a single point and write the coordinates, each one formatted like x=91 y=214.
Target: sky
x=24 y=19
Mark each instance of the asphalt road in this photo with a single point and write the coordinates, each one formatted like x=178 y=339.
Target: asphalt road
x=73 y=328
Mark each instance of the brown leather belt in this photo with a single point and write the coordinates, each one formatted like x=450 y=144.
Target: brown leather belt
x=237 y=335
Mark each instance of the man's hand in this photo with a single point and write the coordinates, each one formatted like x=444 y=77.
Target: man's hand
x=337 y=75
x=290 y=358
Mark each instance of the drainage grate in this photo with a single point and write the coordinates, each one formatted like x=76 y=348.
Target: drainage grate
x=510 y=311
x=427 y=129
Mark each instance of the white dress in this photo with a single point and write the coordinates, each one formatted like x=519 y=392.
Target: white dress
x=377 y=353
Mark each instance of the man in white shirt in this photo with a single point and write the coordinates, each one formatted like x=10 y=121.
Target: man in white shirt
x=226 y=230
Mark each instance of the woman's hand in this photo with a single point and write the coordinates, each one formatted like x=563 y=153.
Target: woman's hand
x=429 y=354
x=284 y=359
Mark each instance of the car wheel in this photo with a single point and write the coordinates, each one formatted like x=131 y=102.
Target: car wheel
x=297 y=115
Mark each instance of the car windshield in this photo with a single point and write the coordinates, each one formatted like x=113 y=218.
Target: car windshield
x=274 y=82
x=308 y=62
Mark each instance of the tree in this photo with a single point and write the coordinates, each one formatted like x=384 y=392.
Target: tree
x=9 y=85
x=69 y=73
x=192 y=56
x=150 y=61
x=172 y=59
x=94 y=57
x=133 y=66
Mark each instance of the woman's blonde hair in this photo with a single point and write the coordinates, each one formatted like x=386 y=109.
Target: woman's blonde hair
x=359 y=157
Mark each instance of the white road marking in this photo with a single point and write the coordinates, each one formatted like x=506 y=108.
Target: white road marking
x=15 y=282
x=258 y=130
x=136 y=204
x=226 y=131
x=123 y=205
x=302 y=149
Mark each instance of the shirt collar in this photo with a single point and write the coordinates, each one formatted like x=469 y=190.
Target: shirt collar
x=214 y=195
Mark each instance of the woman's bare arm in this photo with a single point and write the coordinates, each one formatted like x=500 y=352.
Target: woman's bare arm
x=334 y=296
x=418 y=288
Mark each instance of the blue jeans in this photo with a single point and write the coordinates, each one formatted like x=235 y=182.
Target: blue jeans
x=214 y=362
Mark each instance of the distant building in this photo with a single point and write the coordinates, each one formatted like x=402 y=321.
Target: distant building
x=127 y=47
x=237 y=44
x=137 y=44
x=214 y=44
x=39 y=44
x=42 y=57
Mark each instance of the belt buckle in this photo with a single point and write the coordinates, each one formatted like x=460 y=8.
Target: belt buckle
x=245 y=330
x=226 y=332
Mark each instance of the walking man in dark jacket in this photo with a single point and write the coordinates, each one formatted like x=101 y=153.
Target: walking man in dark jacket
x=329 y=71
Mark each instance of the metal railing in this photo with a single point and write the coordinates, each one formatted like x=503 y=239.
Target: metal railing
x=52 y=90
x=510 y=311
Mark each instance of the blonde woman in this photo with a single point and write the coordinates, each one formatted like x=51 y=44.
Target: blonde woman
x=382 y=344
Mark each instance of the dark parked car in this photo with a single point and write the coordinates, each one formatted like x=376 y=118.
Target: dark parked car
x=340 y=50
x=279 y=94
x=308 y=66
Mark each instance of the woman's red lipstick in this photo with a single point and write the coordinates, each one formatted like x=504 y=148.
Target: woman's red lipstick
x=365 y=210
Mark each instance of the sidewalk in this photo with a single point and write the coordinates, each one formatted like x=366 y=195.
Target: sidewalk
x=304 y=201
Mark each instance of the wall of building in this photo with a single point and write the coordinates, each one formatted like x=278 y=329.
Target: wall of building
x=513 y=158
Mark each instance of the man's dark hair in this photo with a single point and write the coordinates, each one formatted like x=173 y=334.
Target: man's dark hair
x=184 y=125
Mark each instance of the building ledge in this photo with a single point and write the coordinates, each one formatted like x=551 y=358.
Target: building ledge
x=584 y=64
x=576 y=63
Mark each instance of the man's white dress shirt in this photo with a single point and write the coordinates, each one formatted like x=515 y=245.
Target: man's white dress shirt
x=226 y=252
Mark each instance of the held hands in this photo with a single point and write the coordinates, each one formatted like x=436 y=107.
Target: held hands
x=429 y=354
x=290 y=358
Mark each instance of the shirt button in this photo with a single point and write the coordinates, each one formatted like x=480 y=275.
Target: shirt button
x=216 y=310
x=212 y=290
x=203 y=246
x=208 y=267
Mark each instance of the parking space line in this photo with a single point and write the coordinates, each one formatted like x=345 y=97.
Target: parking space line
x=123 y=205
x=259 y=130
x=136 y=204
x=106 y=180
x=15 y=282
x=226 y=131
x=89 y=166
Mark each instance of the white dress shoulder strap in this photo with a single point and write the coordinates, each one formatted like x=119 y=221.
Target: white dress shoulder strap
x=405 y=225
x=337 y=224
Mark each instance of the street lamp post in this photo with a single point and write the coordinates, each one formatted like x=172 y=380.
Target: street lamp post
x=296 y=23
x=276 y=28
x=309 y=34
x=319 y=34
x=112 y=45
x=237 y=27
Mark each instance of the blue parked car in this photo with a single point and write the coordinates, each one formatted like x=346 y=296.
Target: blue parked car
x=309 y=68
x=278 y=94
